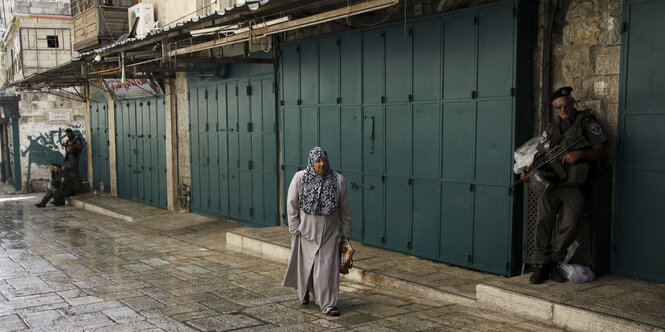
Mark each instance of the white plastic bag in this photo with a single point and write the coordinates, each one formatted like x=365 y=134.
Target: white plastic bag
x=524 y=155
x=577 y=273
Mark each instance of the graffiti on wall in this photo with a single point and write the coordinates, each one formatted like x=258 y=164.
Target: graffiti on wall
x=46 y=148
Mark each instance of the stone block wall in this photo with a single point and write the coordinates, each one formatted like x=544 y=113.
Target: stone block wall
x=40 y=138
x=586 y=55
x=50 y=7
x=28 y=39
x=182 y=106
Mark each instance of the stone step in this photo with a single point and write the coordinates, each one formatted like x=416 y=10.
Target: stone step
x=99 y=208
x=279 y=253
x=565 y=316
x=488 y=297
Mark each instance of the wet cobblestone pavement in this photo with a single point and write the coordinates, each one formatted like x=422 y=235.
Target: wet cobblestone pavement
x=63 y=269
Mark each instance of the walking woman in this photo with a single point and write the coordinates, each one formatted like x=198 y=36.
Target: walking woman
x=317 y=205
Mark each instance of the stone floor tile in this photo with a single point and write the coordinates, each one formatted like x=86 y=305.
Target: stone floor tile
x=42 y=318
x=279 y=315
x=11 y=323
x=155 y=262
x=128 y=327
x=170 y=325
x=155 y=292
x=122 y=315
x=33 y=300
x=209 y=324
x=88 y=321
x=182 y=308
x=91 y=307
x=241 y=320
x=194 y=315
x=142 y=303
x=76 y=301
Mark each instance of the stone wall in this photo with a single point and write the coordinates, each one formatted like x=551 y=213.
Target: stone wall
x=586 y=53
x=184 y=168
x=41 y=130
x=28 y=41
x=49 y=7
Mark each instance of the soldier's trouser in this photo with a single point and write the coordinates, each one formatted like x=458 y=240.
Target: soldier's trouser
x=47 y=196
x=569 y=201
x=58 y=196
x=73 y=162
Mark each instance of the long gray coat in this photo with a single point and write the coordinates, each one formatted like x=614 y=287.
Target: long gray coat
x=314 y=262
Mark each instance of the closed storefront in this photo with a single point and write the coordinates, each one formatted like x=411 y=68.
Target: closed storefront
x=141 y=150
x=422 y=119
x=99 y=139
x=234 y=144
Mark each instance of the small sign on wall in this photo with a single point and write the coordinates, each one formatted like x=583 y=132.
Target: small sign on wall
x=60 y=116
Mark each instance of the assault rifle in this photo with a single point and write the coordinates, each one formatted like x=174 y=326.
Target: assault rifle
x=554 y=158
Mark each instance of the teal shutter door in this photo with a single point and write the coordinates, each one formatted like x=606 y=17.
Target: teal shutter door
x=374 y=219
x=640 y=176
x=398 y=147
x=232 y=124
x=141 y=150
x=420 y=119
x=99 y=142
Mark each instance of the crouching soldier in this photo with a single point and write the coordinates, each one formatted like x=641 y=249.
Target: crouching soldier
x=63 y=183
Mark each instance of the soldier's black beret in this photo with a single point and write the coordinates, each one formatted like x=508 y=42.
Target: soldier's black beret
x=563 y=91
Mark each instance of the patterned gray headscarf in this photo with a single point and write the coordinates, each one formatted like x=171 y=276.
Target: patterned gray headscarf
x=318 y=193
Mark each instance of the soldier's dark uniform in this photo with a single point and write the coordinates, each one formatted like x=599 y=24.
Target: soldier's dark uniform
x=567 y=197
x=63 y=184
x=72 y=153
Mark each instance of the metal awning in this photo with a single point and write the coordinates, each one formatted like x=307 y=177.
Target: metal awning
x=62 y=76
x=65 y=80
x=164 y=52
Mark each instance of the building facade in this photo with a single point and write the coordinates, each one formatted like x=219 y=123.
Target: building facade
x=420 y=106
x=39 y=36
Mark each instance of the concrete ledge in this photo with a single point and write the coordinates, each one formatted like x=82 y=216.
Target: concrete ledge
x=98 y=209
x=560 y=315
x=498 y=299
x=572 y=318
x=258 y=248
x=255 y=247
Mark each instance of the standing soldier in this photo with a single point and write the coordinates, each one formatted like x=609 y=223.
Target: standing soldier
x=73 y=148
x=565 y=196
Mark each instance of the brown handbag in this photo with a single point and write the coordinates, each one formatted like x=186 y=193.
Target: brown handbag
x=345 y=256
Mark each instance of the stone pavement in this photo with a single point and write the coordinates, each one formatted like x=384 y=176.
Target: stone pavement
x=67 y=269
x=610 y=303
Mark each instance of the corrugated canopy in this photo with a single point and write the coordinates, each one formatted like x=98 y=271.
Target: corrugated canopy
x=63 y=76
x=152 y=54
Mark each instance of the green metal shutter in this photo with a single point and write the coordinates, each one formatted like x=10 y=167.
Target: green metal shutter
x=99 y=142
x=141 y=150
x=640 y=176
x=432 y=106
x=233 y=148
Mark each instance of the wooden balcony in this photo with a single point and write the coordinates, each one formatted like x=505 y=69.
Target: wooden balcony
x=99 y=22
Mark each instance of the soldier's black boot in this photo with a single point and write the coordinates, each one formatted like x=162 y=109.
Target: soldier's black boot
x=541 y=273
x=555 y=273
x=41 y=204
